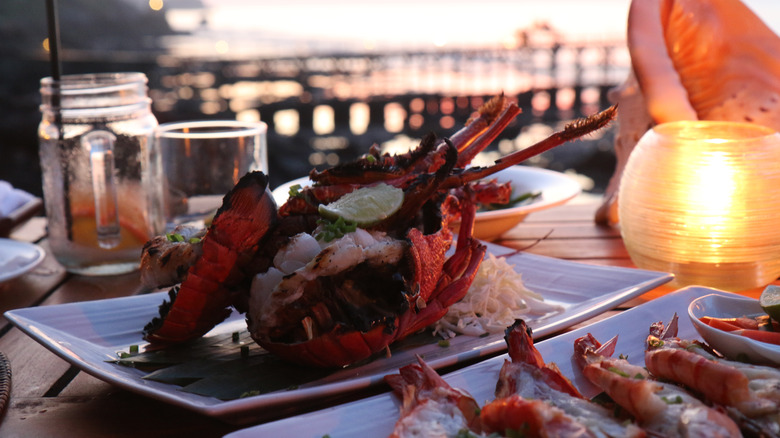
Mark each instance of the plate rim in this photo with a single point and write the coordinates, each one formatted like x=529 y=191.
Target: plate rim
x=236 y=411
x=40 y=254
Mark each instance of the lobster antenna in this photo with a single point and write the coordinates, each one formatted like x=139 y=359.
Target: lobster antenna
x=581 y=127
x=572 y=131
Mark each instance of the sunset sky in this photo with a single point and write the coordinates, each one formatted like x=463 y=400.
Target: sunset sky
x=432 y=20
x=385 y=24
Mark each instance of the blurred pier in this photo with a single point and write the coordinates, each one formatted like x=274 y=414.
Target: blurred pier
x=323 y=109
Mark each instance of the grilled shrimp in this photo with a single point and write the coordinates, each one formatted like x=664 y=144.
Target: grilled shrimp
x=166 y=259
x=430 y=406
x=535 y=397
x=750 y=392
x=660 y=408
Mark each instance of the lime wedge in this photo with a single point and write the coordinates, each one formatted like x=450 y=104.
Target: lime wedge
x=365 y=206
x=770 y=301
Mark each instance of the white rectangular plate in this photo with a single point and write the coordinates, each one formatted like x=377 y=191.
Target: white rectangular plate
x=89 y=334
x=376 y=416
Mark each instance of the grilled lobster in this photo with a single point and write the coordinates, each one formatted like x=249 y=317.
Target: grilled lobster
x=333 y=304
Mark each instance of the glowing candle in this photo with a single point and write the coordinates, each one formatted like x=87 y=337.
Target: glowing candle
x=702 y=200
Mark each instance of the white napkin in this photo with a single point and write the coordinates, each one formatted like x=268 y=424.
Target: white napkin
x=11 y=198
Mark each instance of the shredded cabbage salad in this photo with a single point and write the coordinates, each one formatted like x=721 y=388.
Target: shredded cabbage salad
x=495 y=299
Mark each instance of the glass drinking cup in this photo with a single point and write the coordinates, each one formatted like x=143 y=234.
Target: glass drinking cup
x=101 y=171
x=202 y=161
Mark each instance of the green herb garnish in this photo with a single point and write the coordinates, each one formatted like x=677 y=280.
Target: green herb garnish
x=655 y=343
x=335 y=229
x=174 y=237
x=444 y=343
x=513 y=202
x=672 y=401
x=295 y=191
x=618 y=372
x=131 y=351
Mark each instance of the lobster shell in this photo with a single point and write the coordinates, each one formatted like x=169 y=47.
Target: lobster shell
x=204 y=298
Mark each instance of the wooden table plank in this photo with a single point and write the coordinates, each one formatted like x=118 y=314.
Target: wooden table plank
x=34 y=368
x=560 y=230
x=32 y=288
x=31 y=231
x=580 y=209
x=110 y=413
x=571 y=249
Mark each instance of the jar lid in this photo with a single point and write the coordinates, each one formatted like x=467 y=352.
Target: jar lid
x=94 y=90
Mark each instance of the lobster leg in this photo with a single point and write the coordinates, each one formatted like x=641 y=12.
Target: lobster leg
x=497 y=111
x=465 y=155
x=449 y=290
x=458 y=271
x=572 y=131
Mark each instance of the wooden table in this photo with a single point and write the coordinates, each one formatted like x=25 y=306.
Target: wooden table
x=51 y=398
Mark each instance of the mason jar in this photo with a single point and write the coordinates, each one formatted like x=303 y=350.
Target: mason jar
x=102 y=181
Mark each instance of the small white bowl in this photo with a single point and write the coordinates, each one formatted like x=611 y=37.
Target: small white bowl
x=555 y=187
x=730 y=345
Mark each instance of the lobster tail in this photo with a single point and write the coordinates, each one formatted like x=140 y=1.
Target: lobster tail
x=203 y=299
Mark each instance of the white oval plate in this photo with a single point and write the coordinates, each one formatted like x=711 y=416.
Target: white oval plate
x=16 y=258
x=375 y=416
x=89 y=334
x=555 y=187
x=732 y=346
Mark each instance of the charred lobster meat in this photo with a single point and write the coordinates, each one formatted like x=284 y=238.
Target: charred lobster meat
x=333 y=303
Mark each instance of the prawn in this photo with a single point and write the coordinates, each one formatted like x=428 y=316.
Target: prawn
x=662 y=409
x=750 y=393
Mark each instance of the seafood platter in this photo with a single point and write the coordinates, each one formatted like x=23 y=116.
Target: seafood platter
x=352 y=281
x=638 y=359
x=341 y=297
x=344 y=297
x=376 y=274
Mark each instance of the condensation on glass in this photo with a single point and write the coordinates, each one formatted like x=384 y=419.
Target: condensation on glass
x=101 y=170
